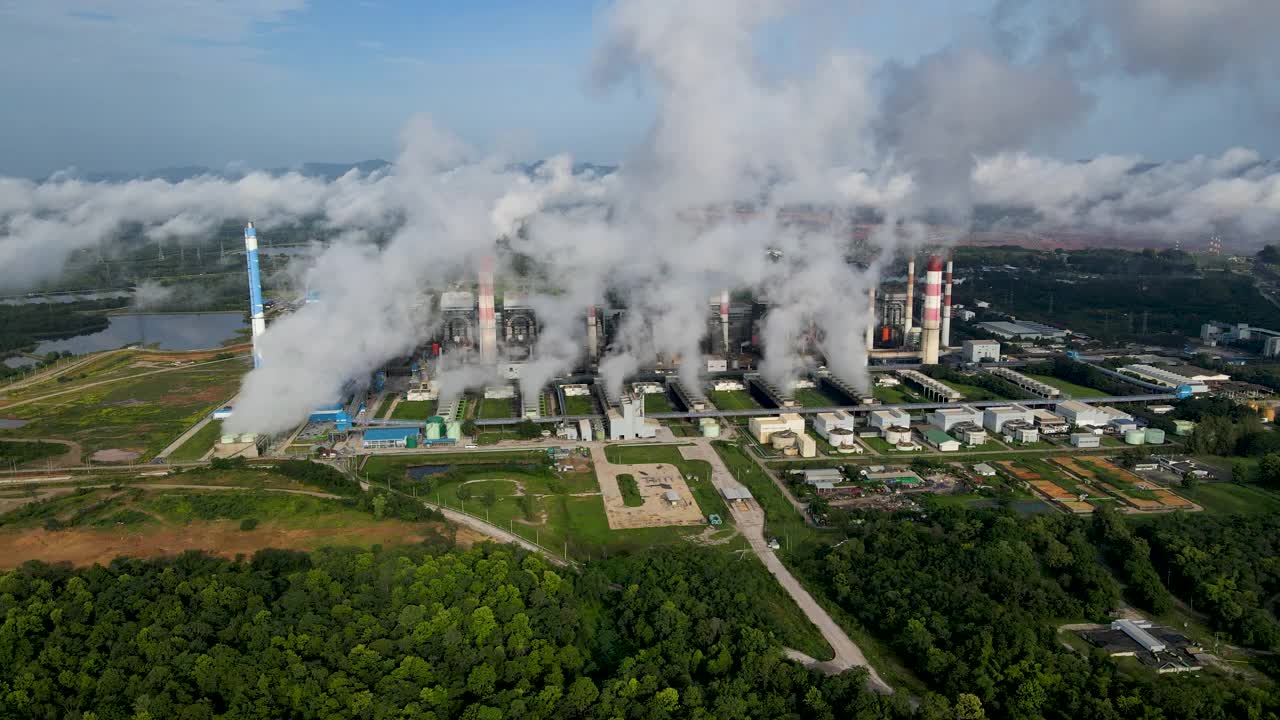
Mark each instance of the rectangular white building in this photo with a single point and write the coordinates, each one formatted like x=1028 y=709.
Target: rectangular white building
x=881 y=419
x=762 y=428
x=947 y=418
x=824 y=423
x=1081 y=414
x=995 y=417
x=976 y=351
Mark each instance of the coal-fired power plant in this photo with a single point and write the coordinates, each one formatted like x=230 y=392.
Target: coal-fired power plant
x=257 y=316
x=911 y=290
x=932 y=316
x=724 y=320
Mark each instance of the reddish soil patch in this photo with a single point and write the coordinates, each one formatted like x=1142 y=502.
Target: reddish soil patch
x=83 y=546
x=116 y=455
x=1020 y=472
x=1075 y=467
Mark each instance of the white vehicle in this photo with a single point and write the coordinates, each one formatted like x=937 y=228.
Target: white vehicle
x=471 y=447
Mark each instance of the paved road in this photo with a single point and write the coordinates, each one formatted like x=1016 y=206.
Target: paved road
x=750 y=522
x=495 y=532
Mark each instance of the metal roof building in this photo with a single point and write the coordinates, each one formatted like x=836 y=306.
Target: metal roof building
x=390 y=437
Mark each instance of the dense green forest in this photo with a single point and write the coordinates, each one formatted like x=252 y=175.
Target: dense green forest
x=1229 y=567
x=969 y=599
x=483 y=634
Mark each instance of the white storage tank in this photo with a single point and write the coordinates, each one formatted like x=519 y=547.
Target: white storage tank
x=782 y=440
x=1134 y=437
x=1154 y=436
x=897 y=436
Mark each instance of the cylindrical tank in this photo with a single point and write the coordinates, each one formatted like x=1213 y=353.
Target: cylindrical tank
x=247 y=437
x=897 y=436
x=1134 y=437
x=433 y=431
x=454 y=430
x=782 y=440
x=793 y=450
x=710 y=428
x=227 y=439
x=1154 y=436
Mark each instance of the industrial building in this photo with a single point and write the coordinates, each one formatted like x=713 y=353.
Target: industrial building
x=1049 y=423
x=969 y=434
x=1086 y=440
x=1031 y=385
x=845 y=441
x=627 y=421
x=1023 y=330
x=391 y=437
x=933 y=389
x=942 y=441
x=946 y=418
x=1168 y=378
x=1271 y=347
x=1081 y=415
x=762 y=428
x=813 y=476
x=976 y=351
x=1020 y=431
x=995 y=418
x=824 y=423
x=890 y=418
x=1156 y=647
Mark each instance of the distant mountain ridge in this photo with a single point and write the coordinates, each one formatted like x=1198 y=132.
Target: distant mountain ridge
x=320 y=170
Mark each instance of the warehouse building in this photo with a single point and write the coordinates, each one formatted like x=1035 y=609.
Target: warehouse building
x=1081 y=414
x=942 y=441
x=392 y=437
x=1086 y=441
x=1020 y=431
x=1166 y=377
x=976 y=351
x=1023 y=330
x=813 y=476
x=1050 y=423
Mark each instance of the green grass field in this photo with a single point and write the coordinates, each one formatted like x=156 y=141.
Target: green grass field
x=896 y=395
x=1068 y=388
x=733 y=400
x=814 y=397
x=579 y=405
x=1233 y=498
x=136 y=414
x=414 y=410
x=197 y=445
x=493 y=437
x=497 y=408
x=630 y=490
x=657 y=402
x=381 y=408
x=973 y=392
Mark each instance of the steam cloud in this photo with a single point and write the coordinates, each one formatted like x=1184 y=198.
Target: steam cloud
x=662 y=232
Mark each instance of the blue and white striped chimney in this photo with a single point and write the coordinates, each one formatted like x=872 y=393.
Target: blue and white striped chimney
x=257 y=319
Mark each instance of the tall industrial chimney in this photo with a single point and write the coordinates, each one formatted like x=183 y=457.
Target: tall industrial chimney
x=593 y=342
x=257 y=318
x=488 y=325
x=946 y=305
x=910 y=300
x=932 y=311
x=724 y=320
x=871 y=319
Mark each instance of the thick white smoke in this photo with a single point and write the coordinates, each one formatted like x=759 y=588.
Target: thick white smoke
x=695 y=208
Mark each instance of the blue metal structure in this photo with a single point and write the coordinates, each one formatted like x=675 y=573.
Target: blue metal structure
x=257 y=317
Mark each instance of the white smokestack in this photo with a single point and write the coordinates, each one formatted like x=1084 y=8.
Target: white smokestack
x=488 y=324
x=911 y=295
x=932 y=311
x=724 y=320
x=593 y=342
x=946 y=306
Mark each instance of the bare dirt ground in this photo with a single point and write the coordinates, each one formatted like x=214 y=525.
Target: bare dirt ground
x=116 y=455
x=83 y=546
x=653 y=481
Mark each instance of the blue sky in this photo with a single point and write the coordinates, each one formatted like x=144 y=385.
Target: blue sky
x=140 y=84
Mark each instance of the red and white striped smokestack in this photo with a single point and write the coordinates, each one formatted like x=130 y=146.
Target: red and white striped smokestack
x=724 y=320
x=911 y=296
x=593 y=343
x=932 y=311
x=946 y=305
x=488 y=326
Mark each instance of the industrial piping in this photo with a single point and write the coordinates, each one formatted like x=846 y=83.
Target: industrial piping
x=257 y=318
x=932 y=312
x=946 y=306
x=488 y=325
x=911 y=296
